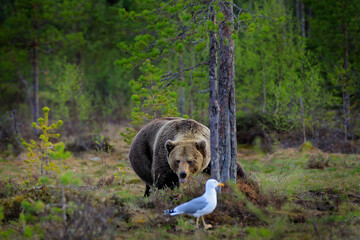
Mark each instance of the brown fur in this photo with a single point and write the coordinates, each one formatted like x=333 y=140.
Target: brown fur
x=167 y=148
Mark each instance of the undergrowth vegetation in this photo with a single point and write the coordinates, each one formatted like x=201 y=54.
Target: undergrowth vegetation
x=290 y=194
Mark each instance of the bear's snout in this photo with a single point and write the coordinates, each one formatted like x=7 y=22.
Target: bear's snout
x=183 y=174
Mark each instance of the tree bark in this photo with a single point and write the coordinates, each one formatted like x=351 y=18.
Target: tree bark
x=264 y=81
x=346 y=94
x=213 y=104
x=35 y=66
x=303 y=31
x=303 y=119
x=303 y=34
x=227 y=121
x=297 y=11
x=182 y=91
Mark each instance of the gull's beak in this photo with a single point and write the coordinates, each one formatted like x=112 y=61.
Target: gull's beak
x=221 y=184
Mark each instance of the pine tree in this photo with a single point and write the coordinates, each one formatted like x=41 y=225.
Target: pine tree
x=277 y=71
x=197 y=23
x=32 y=30
x=334 y=37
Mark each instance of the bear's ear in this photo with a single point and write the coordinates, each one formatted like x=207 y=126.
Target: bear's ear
x=201 y=145
x=169 y=145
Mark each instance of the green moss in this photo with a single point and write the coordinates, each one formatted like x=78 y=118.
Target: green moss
x=12 y=208
x=306 y=147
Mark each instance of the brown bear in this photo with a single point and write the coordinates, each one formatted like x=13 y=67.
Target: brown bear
x=167 y=151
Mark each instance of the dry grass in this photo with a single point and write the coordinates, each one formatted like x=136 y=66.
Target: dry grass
x=283 y=196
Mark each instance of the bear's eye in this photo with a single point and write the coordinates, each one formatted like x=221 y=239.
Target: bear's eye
x=177 y=161
x=189 y=162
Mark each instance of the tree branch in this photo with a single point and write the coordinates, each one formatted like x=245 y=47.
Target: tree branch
x=172 y=76
x=182 y=36
x=205 y=90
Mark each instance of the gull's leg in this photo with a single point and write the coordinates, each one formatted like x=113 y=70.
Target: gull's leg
x=197 y=223
x=206 y=226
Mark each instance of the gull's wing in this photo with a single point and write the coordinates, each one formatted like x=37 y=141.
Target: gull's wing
x=192 y=206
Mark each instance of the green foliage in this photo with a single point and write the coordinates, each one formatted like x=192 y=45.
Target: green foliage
x=42 y=220
x=76 y=42
x=38 y=155
x=9 y=187
x=176 y=37
x=120 y=174
x=306 y=147
x=163 y=43
x=101 y=143
x=76 y=47
x=276 y=71
x=69 y=179
x=60 y=153
x=69 y=98
x=1 y=214
x=185 y=225
x=151 y=98
x=66 y=178
x=334 y=41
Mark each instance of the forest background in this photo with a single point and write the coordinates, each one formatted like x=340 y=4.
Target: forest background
x=296 y=66
x=105 y=68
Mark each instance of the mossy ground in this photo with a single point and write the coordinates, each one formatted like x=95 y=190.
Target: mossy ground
x=286 y=197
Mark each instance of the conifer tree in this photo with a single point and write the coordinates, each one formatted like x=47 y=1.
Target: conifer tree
x=32 y=33
x=197 y=23
x=277 y=71
x=335 y=37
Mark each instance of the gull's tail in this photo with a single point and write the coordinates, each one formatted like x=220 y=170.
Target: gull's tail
x=171 y=212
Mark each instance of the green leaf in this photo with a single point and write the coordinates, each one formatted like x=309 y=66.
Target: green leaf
x=220 y=16
x=77 y=181
x=44 y=180
x=171 y=10
x=135 y=98
x=40 y=120
x=1 y=213
x=180 y=47
x=28 y=232
x=66 y=178
x=246 y=17
x=210 y=25
x=26 y=205
x=200 y=46
x=39 y=205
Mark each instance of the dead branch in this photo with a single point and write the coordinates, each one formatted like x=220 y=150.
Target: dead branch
x=172 y=76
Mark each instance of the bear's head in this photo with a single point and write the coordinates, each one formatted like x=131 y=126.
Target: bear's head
x=186 y=157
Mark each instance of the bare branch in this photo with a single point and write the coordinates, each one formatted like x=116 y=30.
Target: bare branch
x=205 y=90
x=172 y=76
x=236 y=6
x=182 y=36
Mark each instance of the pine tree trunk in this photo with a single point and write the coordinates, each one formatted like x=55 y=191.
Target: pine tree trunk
x=182 y=91
x=297 y=11
x=303 y=31
x=346 y=94
x=303 y=34
x=227 y=121
x=264 y=82
x=303 y=119
x=308 y=29
x=35 y=67
x=213 y=104
x=36 y=81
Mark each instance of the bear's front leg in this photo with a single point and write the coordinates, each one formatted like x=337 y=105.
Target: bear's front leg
x=147 y=191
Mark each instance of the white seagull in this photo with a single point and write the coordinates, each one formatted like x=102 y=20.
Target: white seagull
x=198 y=207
